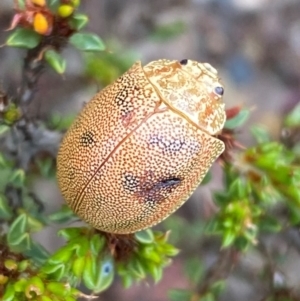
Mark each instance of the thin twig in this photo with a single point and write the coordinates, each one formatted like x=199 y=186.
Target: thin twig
x=219 y=271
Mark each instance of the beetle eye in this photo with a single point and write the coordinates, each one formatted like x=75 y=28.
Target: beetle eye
x=183 y=62
x=219 y=90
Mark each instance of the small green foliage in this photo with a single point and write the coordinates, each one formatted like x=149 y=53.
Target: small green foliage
x=150 y=257
x=87 y=42
x=23 y=38
x=17 y=235
x=293 y=119
x=17 y=178
x=79 y=21
x=21 y=3
x=33 y=22
x=5 y=210
x=105 y=67
x=4 y=129
x=181 y=295
x=56 y=61
x=59 y=122
x=194 y=270
x=269 y=175
x=46 y=167
x=168 y=31
x=238 y=120
x=64 y=215
x=260 y=134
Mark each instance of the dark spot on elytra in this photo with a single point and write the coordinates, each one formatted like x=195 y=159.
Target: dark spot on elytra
x=130 y=182
x=87 y=138
x=121 y=97
x=159 y=190
x=71 y=174
x=167 y=143
x=173 y=146
x=148 y=189
x=124 y=102
x=168 y=183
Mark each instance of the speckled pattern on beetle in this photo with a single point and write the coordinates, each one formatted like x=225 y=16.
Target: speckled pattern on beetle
x=142 y=145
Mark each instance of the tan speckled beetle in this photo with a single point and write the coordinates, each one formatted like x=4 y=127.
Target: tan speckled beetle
x=142 y=145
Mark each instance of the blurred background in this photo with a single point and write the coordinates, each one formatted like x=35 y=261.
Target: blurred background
x=255 y=45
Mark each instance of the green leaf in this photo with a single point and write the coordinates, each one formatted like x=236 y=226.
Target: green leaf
x=83 y=246
x=79 y=21
x=156 y=272
x=126 y=281
x=78 y=266
x=45 y=298
x=37 y=252
x=57 y=288
x=194 y=270
x=3 y=129
x=5 y=210
x=70 y=233
x=270 y=224
x=94 y=279
x=20 y=284
x=97 y=242
x=238 y=188
x=260 y=134
x=61 y=122
x=228 y=238
x=64 y=215
x=137 y=268
x=56 y=271
x=56 y=61
x=169 y=31
x=23 y=265
x=23 y=38
x=218 y=286
x=53 y=4
x=17 y=178
x=89 y=272
x=238 y=120
x=45 y=166
x=242 y=243
x=35 y=286
x=75 y=3
x=4 y=163
x=145 y=237
x=87 y=42
x=17 y=229
x=9 y=293
x=106 y=275
x=21 y=4
x=63 y=255
x=207 y=297
x=69 y=298
x=293 y=118
x=22 y=244
x=180 y=295
x=34 y=225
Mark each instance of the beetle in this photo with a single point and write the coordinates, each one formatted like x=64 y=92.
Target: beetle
x=142 y=145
